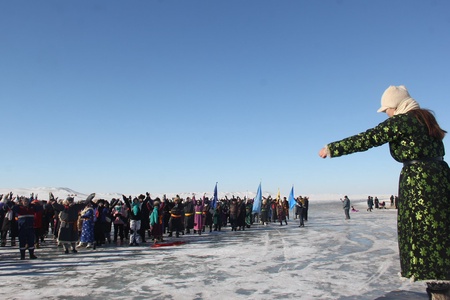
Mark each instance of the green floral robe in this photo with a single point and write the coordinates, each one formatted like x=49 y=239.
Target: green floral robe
x=424 y=194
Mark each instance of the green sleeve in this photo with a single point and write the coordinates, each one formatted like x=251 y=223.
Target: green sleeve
x=383 y=133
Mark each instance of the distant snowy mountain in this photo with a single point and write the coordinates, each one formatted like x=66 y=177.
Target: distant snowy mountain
x=63 y=192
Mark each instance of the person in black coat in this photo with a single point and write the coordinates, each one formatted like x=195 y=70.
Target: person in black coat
x=300 y=210
x=188 y=215
x=68 y=217
x=176 y=218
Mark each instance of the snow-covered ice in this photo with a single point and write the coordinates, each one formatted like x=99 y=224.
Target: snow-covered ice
x=330 y=258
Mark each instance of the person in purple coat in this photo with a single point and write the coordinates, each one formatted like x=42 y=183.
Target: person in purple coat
x=199 y=220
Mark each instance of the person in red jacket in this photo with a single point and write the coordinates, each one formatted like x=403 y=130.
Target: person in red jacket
x=38 y=224
x=25 y=213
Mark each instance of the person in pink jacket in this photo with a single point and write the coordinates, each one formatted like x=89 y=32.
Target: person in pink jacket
x=199 y=220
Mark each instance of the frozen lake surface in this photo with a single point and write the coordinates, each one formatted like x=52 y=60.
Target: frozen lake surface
x=330 y=258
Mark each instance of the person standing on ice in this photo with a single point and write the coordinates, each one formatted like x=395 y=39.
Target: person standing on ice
x=119 y=220
x=198 y=215
x=248 y=213
x=134 y=209
x=68 y=217
x=217 y=217
x=145 y=216
x=38 y=217
x=100 y=221
x=281 y=212
x=265 y=209
x=207 y=215
x=233 y=213
x=189 y=212
x=423 y=217
x=240 y=221
x=2 y=218
x=305 y=203
x=8 y=223
x=300 y=207
x=286 y=208
x=369 y=203
x=176 y=218
x=376 y=202
x=346 y=207
x=87 y=227
x=25 y=213
x=155 y=221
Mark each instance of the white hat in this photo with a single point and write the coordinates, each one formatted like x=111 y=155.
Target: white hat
x=393 y=96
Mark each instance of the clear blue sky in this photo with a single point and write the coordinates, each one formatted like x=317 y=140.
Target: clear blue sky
x=168 y=96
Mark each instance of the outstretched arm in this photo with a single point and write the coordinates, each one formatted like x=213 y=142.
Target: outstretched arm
x=90 y=198
x=114 y=202
x=56 y=206
x=127 y=201
x=147 y=199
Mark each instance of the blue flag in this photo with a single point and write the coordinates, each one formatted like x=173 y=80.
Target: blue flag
x=291 y=200
x=215 y=200
x=257 y=201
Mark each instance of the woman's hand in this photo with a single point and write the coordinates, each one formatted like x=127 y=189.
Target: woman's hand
x=323 y=152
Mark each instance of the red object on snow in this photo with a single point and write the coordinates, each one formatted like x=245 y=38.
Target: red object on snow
x=168 y=244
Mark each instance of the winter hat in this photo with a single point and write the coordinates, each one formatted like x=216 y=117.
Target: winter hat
x=397 y=97
x=70 y=199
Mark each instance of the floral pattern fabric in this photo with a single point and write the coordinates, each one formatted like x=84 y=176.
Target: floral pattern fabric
x=87 y=230
x=424 y=193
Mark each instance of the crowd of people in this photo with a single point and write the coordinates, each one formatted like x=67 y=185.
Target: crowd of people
x=375 y=202
x=93 y=223
x=371 y=202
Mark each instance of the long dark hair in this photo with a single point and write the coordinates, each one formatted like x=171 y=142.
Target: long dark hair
x=426 y=116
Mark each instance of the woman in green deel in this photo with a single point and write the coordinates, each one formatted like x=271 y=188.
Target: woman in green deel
x=423 y=221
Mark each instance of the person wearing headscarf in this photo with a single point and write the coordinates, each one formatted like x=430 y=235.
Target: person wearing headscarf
x=415 y=140
x=156 y=226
